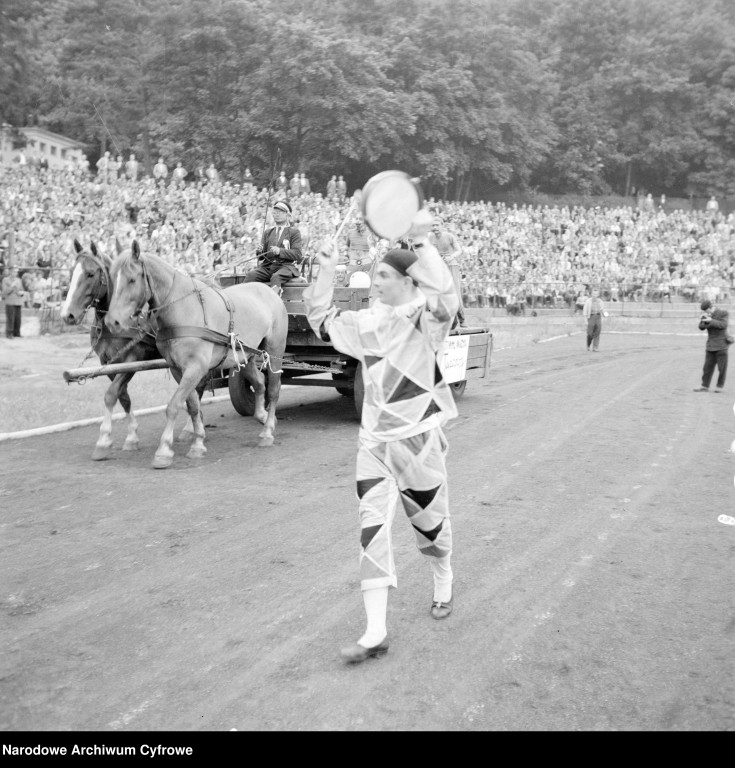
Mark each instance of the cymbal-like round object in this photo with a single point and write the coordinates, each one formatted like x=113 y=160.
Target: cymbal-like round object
x=390 y=200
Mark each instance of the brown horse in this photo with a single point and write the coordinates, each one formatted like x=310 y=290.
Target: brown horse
x=91 y=287
x=201 y=328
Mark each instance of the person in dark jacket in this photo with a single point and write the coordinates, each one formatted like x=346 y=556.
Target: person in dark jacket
x=714 y=321
x=279 y=255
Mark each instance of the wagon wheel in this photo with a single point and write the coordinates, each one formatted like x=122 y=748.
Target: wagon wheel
x=242 y=395
x=458 y=387
x=341 y=377
x=359 y=391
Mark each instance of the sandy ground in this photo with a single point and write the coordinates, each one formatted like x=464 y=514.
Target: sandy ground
x=594 y=583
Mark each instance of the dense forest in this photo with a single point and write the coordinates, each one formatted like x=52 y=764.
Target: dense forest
x=474 y=96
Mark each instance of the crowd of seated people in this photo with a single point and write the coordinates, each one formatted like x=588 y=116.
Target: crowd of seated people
x=513 y=257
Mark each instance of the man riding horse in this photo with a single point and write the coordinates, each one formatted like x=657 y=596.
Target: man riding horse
x=280 y=251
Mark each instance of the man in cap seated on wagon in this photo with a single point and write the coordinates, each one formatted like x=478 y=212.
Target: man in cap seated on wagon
x=279 y=254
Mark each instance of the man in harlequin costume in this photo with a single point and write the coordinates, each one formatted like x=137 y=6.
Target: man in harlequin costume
x=402 y=447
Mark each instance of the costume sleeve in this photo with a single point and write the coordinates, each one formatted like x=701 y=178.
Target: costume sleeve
x=328 y=322
x=293 y=252
x=436 y=283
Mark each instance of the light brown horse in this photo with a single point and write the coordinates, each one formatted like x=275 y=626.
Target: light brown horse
x=90 y=287
x=201 y=328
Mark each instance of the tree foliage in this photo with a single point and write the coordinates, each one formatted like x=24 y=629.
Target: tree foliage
x=474 y=96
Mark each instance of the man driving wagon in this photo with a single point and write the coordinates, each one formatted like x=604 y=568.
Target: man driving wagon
x=279 y=254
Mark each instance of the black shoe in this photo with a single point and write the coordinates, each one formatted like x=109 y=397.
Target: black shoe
x=356 y=653
x=440 y=610
x=702 y=389
x=718 y=390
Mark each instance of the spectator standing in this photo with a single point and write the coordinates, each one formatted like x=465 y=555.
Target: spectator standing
x=332 y=188
x=212 y=174
x=117 y=169
x=358 y=243
x=714 y=320
x=341 y=189
x=131 y=168
x=12 y=293
x=160 y=171
x=294 y=186
x=103 y=167
x=282 y=185
x=179 y=175
x=304 y=185
x=712 y=205
x=451 y=251
x=247 y=178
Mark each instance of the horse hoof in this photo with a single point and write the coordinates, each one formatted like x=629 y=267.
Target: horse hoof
x=266 y=442
x=131 y=445
x=196 y=454
x=162 y=462
x=101 y=453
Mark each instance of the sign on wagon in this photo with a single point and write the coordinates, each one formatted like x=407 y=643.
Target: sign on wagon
x=453 y=358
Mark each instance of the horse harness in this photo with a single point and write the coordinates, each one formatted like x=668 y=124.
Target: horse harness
x=229 y=340
x=99 y=332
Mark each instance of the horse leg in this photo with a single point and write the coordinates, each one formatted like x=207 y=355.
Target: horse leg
x=256 y=378
x=267 y=436
x=188 y=433
x=164 y=454
x=131 y=440
x=193 y=405
x=104 y=441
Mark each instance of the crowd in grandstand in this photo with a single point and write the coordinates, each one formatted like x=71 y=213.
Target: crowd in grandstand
x=513 y=256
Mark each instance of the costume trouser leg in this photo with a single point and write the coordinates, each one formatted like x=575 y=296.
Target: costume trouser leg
x=413 y=471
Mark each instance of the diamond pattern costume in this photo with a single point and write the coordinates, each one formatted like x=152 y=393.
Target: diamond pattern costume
x=401 y=452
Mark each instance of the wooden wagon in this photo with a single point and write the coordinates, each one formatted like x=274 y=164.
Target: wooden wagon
x=310 y=361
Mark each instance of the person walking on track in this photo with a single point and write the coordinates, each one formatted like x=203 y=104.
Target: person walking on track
x=714 y=320
x=593 y=312
x=401 y=444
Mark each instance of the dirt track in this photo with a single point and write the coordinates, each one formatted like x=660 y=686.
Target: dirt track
x=593 y=583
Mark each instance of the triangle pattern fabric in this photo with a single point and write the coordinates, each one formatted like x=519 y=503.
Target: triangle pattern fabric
x=368 y=533
x=422 y=498
x=371 y=360
x=433 y=533
x=405 y=390
x=363 y=486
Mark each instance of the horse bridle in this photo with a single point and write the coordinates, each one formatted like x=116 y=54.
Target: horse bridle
x=101 y=287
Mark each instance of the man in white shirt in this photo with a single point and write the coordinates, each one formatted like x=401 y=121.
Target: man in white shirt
x=593 y=311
